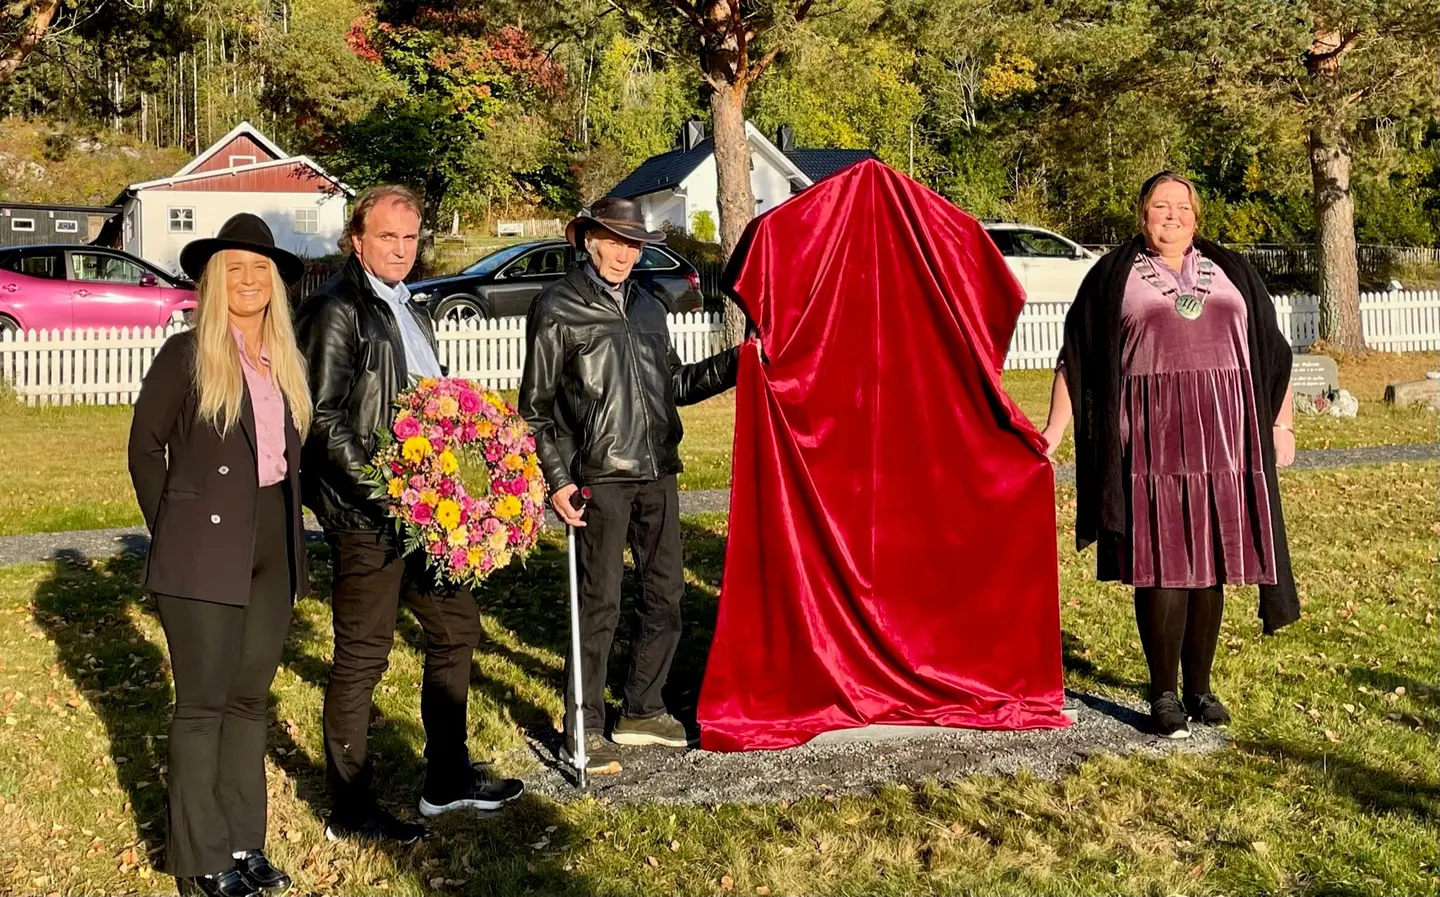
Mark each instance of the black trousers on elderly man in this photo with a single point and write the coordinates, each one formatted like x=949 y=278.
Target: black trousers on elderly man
x=645 y=516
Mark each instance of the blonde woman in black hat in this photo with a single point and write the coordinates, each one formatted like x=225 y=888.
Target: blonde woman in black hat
x=600 y=389
x=214 y=457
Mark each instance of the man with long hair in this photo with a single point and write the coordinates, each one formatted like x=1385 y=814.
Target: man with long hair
x=365 y=343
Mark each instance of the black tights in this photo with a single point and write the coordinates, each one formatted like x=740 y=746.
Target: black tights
x=1179 y=629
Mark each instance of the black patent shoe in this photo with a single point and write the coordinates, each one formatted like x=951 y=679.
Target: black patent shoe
x=256 y=869
x=229 y=883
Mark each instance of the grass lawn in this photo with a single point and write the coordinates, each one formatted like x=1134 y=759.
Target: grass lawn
x=1330 y=785
x=45 y=490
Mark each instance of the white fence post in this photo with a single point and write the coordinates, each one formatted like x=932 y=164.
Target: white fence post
x=106 y=366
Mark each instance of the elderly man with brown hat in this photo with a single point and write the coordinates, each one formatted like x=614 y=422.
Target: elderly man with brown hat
x=600 y=389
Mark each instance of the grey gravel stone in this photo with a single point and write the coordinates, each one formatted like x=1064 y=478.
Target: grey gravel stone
x=861 y=761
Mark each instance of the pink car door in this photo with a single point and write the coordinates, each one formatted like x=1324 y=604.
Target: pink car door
x=33 y=292
x=107 y=291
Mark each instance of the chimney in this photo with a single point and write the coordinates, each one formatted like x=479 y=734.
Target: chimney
x=785 y=139
x=691 y=133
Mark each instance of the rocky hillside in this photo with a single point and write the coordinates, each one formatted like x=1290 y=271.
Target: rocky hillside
x=45 y=162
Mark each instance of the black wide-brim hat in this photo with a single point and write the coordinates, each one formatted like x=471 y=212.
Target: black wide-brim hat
x=242 y=231
x=619 y=216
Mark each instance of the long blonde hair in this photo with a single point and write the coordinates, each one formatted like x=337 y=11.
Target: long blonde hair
x=219 y=378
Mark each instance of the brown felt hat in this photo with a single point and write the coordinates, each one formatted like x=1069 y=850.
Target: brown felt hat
x=619 y=216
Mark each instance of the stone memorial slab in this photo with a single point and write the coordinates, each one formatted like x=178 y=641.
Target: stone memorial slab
x=1313 y=375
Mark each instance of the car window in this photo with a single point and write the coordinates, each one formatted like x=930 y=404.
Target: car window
x=35 y=264
x=653 y=258
x=1005 y=242
x=540 y=263
x=1040 y=245
x=494 y=260
x=101 y=268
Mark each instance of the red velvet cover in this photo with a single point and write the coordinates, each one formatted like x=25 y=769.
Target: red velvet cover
x=891 y=553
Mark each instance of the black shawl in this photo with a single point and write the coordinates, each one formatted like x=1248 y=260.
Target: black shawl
x=1091 y=357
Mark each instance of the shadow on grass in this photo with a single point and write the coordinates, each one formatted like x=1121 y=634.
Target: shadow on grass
x=1371 y=789
x=85 y=608
x=1418 y=694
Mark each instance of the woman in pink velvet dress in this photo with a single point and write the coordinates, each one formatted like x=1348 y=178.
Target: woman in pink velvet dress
x=1180 y=375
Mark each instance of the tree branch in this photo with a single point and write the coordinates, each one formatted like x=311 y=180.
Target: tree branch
x=31 y=34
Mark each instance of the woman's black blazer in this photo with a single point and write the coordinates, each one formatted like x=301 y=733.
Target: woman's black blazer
x=199 y=504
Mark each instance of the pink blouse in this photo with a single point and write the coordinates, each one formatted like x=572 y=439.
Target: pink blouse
x=268 y=404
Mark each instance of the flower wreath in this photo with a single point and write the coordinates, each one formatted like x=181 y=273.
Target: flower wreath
x=457 y=470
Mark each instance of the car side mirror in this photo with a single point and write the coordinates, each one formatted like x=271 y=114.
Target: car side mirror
x=149 y=280
x=1080 y=252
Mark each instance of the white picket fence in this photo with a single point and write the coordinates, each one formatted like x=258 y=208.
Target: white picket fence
x=1407 y=321
x=105 y=367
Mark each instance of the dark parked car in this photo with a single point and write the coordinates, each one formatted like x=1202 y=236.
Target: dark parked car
x=503 y=283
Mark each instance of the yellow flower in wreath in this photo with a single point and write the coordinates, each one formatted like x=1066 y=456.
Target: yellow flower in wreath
x=448 y=463
x=415 y=449
x=514 y=462
x=507 y=507
x=396 y=487
x=448 y=513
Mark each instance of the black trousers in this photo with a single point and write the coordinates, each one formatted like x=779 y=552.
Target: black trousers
x=647 y=517
x=223 y=658
x=370 y=579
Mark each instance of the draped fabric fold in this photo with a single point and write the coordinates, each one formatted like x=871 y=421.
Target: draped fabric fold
x=892 y=552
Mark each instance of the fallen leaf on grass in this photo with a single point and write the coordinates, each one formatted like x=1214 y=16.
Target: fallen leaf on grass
x=674 y=846
x=1331 y=736
x=762 y=890
x=651 y=861
x=727 y=883
x=1260 y=847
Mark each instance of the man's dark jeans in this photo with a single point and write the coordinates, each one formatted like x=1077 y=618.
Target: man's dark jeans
x=370 y=580
x=647 y=517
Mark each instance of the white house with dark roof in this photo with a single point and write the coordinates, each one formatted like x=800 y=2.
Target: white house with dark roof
x=673 y=188
x=244 y=171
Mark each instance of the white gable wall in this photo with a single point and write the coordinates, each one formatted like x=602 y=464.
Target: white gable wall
x=154 y=242
x=700 y=191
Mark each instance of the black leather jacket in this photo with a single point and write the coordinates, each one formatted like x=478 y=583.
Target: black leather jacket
x=356 y=359
x=601 y=384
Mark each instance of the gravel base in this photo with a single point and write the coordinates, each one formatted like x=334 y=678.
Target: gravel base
x=861 y=761
x=104 y=543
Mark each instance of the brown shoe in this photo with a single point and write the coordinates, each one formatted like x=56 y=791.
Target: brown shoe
x=601 y=758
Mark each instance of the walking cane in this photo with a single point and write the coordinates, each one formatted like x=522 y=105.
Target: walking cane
x=577 y=501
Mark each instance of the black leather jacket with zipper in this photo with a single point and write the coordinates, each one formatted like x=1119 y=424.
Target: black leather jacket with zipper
x=356 y=359
x=601 y=384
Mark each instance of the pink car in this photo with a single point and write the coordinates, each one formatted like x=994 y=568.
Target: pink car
x=60 y=287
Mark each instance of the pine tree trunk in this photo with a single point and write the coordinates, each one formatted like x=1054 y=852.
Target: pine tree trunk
x=1339 y=284
x=736 y=197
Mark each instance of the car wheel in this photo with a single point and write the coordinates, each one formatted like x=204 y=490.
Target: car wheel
x=461 y=309
x=8 y=326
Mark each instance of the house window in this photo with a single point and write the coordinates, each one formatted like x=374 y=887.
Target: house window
x=23 y=224
x=237 y=161
x=67 y=227
x=182 y=220
x=307 y=221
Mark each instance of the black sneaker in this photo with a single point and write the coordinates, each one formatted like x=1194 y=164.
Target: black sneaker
x=255 y=868
x=662 y=729
x=1207 y=710
x=375 y=825
x=601 y=758
x=229 y=883
x=1167 y=715
x=485 y=794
